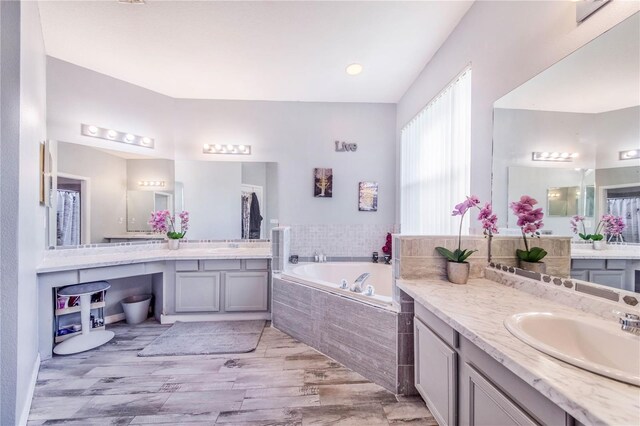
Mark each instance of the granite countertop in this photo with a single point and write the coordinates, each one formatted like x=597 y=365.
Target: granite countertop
x=611 y=252
x=87 y=259
x=477 y=311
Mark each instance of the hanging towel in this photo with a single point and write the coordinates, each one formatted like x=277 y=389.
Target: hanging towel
x=255 y=219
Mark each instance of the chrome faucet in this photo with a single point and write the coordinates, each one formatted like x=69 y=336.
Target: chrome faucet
x=630 y=323
x=358 y=284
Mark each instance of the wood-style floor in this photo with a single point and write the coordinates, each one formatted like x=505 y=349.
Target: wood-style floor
x=283 y=382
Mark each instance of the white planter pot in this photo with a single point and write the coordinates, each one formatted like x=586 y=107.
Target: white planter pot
x=173 y=244
x=599 y=245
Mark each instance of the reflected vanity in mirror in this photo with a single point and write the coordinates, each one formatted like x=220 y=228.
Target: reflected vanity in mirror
x=103 y=196
x=561 y=138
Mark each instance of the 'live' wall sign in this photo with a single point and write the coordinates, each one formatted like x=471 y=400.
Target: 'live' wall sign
x=346 y=147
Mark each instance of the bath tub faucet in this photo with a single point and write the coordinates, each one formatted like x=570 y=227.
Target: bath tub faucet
x=358 y=284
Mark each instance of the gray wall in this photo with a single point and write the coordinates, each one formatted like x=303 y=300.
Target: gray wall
x=22 y=119
x=9 y=202
x=507 y=43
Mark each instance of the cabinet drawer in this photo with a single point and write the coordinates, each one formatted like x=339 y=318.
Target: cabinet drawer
x=111 y=272
x=588 y=264
x=256 y=264
x=245 y=291
x=221 y=265
x=616 y=264
x=436 y=373
x=186 y=265
x=198 y=292
x=439 y=327
x=613 y=279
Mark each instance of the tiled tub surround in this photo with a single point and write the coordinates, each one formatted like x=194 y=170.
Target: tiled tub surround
x=373 y=341
x=122 y=254
x=352 y=241
x=477 y=311
x=416 y=256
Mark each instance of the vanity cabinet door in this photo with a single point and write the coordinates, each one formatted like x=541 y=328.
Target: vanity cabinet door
x=435 y=371
x=483 y=404
x=245 y=291
x=198 y=292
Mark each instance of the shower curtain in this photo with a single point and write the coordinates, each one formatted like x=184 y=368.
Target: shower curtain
x=629 y=209
x=246 y=214
x=68 y=218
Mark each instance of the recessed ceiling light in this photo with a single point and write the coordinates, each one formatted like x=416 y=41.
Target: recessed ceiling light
x=354 y=69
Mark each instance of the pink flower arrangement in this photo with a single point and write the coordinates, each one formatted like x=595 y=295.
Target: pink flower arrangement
x=530 y=223
x=488 y=220
x=161 y=221
x=489 y=224
x=609 y=224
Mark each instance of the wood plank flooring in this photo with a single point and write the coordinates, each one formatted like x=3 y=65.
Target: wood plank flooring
x=283 y=382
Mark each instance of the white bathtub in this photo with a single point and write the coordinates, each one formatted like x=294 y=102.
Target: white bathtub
x=327 y=276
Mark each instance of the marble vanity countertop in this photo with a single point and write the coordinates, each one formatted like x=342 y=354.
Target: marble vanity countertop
x=477 y=311
x=611 y=252
x=124 y=257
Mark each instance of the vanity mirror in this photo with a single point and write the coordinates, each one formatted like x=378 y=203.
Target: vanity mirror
x=103 y=196
x=559 y=137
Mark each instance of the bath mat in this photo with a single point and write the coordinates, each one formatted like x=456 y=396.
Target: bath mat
x=206 y=338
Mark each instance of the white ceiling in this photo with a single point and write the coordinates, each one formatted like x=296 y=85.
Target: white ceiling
x=290 y=51
x=602 y=76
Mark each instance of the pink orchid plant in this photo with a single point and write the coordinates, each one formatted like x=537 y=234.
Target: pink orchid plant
x=162 y=221
x=489 y=224
x=609 y=224
x=530 y=223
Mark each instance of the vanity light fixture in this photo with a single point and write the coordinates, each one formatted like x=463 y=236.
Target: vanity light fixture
x=226 y=149
x=153 y=183
x=632 y=154
x=554 y=156
x=116 y=136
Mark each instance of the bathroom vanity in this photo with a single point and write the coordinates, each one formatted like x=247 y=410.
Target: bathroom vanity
x=199 y=282
x=471 y=370
x=616 y=266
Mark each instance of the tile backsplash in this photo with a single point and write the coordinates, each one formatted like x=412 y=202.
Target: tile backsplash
x=339 y=240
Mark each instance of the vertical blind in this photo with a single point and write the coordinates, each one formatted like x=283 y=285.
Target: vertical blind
x=435 y=162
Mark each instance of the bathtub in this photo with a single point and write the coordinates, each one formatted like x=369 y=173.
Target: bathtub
x=328 y=276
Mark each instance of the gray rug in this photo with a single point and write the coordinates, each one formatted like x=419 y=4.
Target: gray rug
x=204 y=338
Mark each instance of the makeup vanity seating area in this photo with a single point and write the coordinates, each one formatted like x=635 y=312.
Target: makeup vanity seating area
x=198 y=282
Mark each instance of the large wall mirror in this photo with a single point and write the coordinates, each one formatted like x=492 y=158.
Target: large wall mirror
x=104 y=196
x=567 y=137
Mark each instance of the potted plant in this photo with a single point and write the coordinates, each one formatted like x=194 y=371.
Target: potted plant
x=530 y=223
x=161 y=221
x=457 y=265
x=609 y=224
x=489 y=224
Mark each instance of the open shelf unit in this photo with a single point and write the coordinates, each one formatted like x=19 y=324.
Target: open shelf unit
x=62 y=308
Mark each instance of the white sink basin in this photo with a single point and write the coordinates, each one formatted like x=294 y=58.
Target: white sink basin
x=593 y=344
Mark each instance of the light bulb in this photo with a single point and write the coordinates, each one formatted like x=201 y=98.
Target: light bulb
x=146 y=141
x=129 y=137
x=93 y=130
x=111 y=134
x=230 y=147
x=242 y=148
x=631 y=153
x=555 y=155
x=544 y=154
x=207 y=146
x=574 y=155
x=217 y=147
x=354 y=69
x=564 y=155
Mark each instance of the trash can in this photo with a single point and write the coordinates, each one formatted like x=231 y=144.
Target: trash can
x=136 y=308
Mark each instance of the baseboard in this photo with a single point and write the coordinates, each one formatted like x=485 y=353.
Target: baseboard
x=170 y=319
x=110 y=319
x=24 y=416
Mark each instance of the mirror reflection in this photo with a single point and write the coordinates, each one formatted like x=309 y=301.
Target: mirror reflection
x=103 y=196
x=561 y=138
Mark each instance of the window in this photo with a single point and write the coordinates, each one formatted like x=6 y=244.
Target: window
x=435 y=162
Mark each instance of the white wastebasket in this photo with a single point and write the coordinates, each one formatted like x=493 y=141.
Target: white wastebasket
x=136 y=308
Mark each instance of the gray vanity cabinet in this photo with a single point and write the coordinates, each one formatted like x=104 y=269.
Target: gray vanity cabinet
x=245 y=291
x=483 y=404
x=463 y=385
x=435 y=373
x=198 y=291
